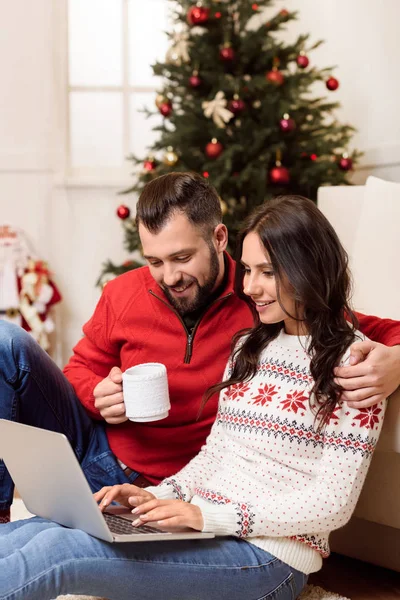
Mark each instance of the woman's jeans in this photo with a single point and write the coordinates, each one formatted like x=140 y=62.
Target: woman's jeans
x=34 y=391
x=40 y=560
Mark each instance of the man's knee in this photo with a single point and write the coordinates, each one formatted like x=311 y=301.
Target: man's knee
x=10 y=332
x=17 y=347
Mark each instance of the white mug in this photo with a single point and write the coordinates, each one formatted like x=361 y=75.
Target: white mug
x=145 y=389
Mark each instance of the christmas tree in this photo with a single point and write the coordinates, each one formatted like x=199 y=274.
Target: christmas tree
x=240 y=108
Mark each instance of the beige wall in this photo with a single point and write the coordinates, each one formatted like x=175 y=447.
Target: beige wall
x=74 y=226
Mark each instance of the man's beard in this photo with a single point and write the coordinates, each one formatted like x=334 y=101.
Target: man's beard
x=203 y=292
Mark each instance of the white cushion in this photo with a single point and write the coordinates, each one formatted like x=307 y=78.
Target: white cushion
x=342 y=206
x=376 y=251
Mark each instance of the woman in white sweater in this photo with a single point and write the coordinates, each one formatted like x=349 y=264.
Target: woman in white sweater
x=282 y=467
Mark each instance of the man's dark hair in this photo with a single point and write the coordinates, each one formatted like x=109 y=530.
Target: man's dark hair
x=186 y=193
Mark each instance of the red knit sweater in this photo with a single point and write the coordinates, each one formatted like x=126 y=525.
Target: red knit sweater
x=133 y=323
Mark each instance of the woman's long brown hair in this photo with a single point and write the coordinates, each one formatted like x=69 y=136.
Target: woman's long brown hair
x=303 y=246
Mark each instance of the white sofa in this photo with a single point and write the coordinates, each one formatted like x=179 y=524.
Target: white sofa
x=367 y=220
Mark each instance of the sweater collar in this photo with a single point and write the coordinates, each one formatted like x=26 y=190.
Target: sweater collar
x=293 y=341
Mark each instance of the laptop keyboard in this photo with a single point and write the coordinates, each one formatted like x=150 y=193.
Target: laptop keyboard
x=121 y=526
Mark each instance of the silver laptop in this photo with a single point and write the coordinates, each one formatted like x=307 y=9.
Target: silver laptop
x=52 y=485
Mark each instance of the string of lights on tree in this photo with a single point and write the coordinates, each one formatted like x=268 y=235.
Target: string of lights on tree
x=241 y=107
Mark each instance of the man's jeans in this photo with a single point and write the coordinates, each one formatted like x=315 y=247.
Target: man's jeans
x=40 y=560
x=34 y=391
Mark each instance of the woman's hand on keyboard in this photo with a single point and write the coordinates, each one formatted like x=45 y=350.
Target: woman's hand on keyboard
x=126 y=494
x=169 y=513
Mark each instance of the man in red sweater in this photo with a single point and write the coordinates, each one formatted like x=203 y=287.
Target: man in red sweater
x=180 y=310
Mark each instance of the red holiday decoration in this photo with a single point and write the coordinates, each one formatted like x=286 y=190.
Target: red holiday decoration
x=123 y=212
x=165 y=108
x=27 y=289
x=214 y=149
x=206 y=174
x=255 y=6
x=194 y=80
x=149 y=164
x=345 y=163
x=312 y=157
x=275 y=77
x=284 y=12
x=287 y=124
x=302 y=61
x=218 y=15
x=279 y=175
x=227 y=53
x=237 y=105
x=332 y=84
x=198 y=15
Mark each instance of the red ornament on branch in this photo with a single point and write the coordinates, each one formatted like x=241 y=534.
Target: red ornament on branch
x=237 y=105
x=165 y=108
x=214 y=149
x=194 y=80
x=123 y=212
x=227 y=54
x=279 y=175
x=275 y=77
x=149 y=164
x=198 y=15
x=332 y=84
x=287 y=124
x=302 y=61
x=345 y=163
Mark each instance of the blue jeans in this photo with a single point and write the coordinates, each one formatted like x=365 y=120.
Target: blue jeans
x=34 y=391
x=40 y=560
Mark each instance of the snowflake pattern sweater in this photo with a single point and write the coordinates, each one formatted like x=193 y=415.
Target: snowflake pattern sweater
x=266 y=475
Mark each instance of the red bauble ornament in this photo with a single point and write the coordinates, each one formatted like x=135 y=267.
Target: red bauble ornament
x=332 y=84
x=123 y=212
x=194 y=80
x=279 y=175
x=287 y=124
x=345 y=163
x=284 y=12
x=227 y=53
x=198 y=15
x=275 y=77
x=165 y=109
x=302 y=61
x=214 y=149
x=149 y=164
x=237 y=106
